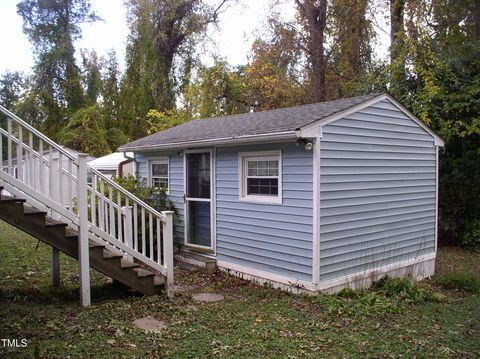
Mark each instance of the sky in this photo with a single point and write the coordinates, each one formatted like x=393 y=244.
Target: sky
x=231 y=40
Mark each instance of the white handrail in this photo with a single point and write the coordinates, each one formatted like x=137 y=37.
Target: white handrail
x=37 y=133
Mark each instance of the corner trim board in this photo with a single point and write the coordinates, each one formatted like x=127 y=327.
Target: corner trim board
x=316 y=212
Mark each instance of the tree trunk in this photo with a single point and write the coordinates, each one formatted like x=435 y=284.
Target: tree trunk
x=397 y=32
x=314 y=14
x=476 y=17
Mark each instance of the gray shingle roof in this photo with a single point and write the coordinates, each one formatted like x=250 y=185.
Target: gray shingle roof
x=256 y=123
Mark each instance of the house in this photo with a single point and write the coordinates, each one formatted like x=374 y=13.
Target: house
x=314 y=198
x=117 y=164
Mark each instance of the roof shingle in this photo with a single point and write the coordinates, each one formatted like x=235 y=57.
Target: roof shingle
x=256 y=123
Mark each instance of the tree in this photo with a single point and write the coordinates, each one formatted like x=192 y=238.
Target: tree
x=276 y=73
x=92 y=77
x=160 y=31
x=86 y=132
x=11 y=87
x=52 y=26
x=313 y=18
x=350 y=62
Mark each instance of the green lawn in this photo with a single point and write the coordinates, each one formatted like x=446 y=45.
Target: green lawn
x=252 y=322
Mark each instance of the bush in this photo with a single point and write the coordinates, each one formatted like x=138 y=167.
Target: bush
x=405 y=289
x=471 y=235
x=462 y=281
x=386 y=296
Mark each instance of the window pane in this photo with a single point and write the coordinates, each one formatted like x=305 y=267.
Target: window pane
x=199 y=229
x=160 y=169
x=262 y=186
x=160 y=182
x=198 y=175
x=262 y=168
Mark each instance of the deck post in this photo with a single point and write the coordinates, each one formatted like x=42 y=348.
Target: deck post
x=83 y=247
x=55 y=267
x=168 y=251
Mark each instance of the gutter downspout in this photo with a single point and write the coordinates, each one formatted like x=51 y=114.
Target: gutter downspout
x=127 y=160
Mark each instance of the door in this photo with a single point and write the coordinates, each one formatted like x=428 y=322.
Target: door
x=198 y=199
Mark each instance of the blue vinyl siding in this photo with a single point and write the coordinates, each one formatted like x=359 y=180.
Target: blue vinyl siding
x=275 y=238
x=176 y=184
x=377 y=196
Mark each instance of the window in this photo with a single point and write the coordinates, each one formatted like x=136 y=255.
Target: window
x=159 y=174
x=261 y=177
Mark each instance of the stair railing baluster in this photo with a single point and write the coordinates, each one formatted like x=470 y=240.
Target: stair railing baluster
x=70 y=185
x=93 y=200
x=31 y=166
x=20 y=154
x=9 y=147
x=119 y=217
x=143 y=231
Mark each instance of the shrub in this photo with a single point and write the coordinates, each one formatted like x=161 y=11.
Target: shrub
x=462 y=281
x=471 y=235
x=404 y=289
x=386 y=296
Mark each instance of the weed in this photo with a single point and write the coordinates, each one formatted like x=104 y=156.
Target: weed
x=405 y=289
x=462 y=281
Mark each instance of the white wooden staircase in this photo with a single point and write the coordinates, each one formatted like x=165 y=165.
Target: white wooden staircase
x=44 y=192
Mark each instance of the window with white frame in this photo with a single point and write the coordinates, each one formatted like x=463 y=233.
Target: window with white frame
x=159 y=174
x=261 y=177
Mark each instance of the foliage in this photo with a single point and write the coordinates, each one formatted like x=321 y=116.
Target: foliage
x=388 y=295
x=462 y=281
x=160 y=121
x=86 y=132
x=471 y=236
x=153 y=196
x=52 y=27
x=162 y=34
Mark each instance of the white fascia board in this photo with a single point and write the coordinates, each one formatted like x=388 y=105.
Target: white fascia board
x=227 y=141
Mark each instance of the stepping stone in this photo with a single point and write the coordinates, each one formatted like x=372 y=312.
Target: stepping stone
x=182 y=289
x=192 y=308
x=207 y=297
x=150 y=324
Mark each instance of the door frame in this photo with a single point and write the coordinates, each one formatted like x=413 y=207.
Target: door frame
x=212 y=200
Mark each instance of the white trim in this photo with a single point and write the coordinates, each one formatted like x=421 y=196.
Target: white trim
x=158 y=160
x=418 y=268
x=314 y=129
x=242 y=196
x=263 y=277
x=188 y=199
x=214 y=200
x=234 y=140
x=316 y=212
x=436 y=196
x=360 y=279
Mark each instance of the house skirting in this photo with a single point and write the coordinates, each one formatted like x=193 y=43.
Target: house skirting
x=417 y=268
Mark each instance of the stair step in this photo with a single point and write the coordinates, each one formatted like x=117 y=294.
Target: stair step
x=11 y=199
x=127 y=265
x=197 y=260
x=188 y=267
x=31 y=211
x=142 y=273
x=71 y=233
x=52 y=223
x=109 y=255
x=92 y=245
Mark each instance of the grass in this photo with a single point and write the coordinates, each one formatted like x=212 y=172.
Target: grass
x=252 y=322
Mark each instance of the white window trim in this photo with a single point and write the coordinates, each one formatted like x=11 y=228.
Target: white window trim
x=242 y=183
x=159 y=160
